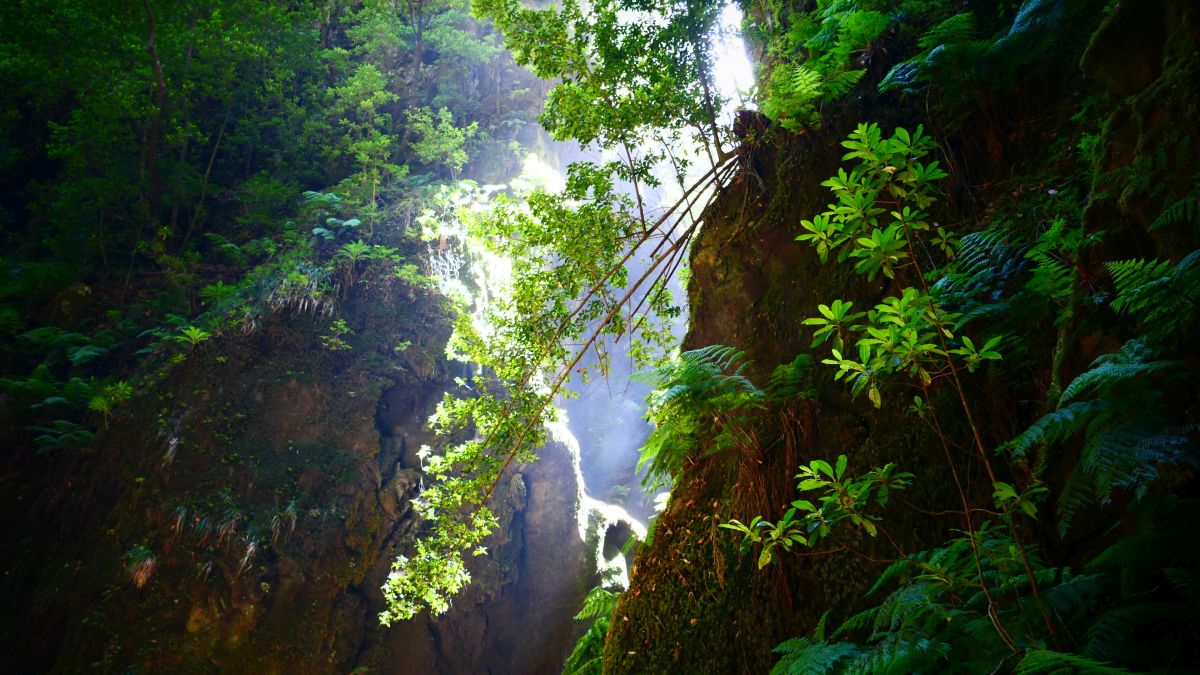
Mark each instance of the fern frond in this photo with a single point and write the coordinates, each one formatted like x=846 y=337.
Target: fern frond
x=1186 y=210
x=892 y=571
x=1075 y=595
x=801 y=82
x=687 y=390
x=587 y=658
x=808 y=656
x=1046 y=661
x=1077 y=495
x=1184 y=580
x=978 y=282
x=1052 y=278
x=841 y=84
x=958 y=28
x=1162 y=298
x=903 y=656
x=599 y=602
x=1055 y=426
x=1130 y=274
x=789 y=380
x=1117 y=631
x=1109 y=370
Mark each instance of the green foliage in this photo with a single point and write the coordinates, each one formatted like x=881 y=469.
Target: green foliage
x=841 y=498
x=439 y=140
x=587 y=656
x=191 y=336
x=812 y=656
x=568 y=286
x=425 y=581
x=626 y=69
x=336 y=340
x=599 y=602
x=1125 y=441
x=949 y=49
x=702 y=394
x=794 y=92
x=981 y=281
x=791 y=380
x=1159 y=297
x=1186 y=210
x=957 y=61
x=61 y=435
x=1047 y=661
x=987 y=600
x=1056 y=256
x=876 y=224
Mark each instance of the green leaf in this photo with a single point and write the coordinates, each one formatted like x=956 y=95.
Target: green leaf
x=822 y=466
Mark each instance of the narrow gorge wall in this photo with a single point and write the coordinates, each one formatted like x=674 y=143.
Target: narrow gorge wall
x=696 y=602
x=244 y=518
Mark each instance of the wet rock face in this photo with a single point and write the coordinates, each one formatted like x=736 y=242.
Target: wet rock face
x=1144 y=55
x=245 y=519
x=515 y=617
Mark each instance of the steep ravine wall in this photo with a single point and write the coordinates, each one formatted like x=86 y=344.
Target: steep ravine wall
x=696 y=603
x=245 y=516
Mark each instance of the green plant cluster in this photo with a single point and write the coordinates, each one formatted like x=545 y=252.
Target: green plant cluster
x=990 y=598
x=204 y=167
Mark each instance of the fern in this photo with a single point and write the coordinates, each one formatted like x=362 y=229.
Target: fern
x=840 y=84
x=1110 y=370
x=598 y=602
x=1117 y=631
x=958 y=28
x=1129 y=275
x=1052 y=278
x=1162 y=298
x=687 y=392
x=1185 y=210
x=1046 y=661
x=979 y=284
x=1055 y=426
x=790 y=380
x=809 y=656
x=1075 y=596
x=587 y=656
x=1125 y=439
x=793 y=91
x=949 y=46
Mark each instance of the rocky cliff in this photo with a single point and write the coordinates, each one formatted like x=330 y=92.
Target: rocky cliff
x=1019 y=154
